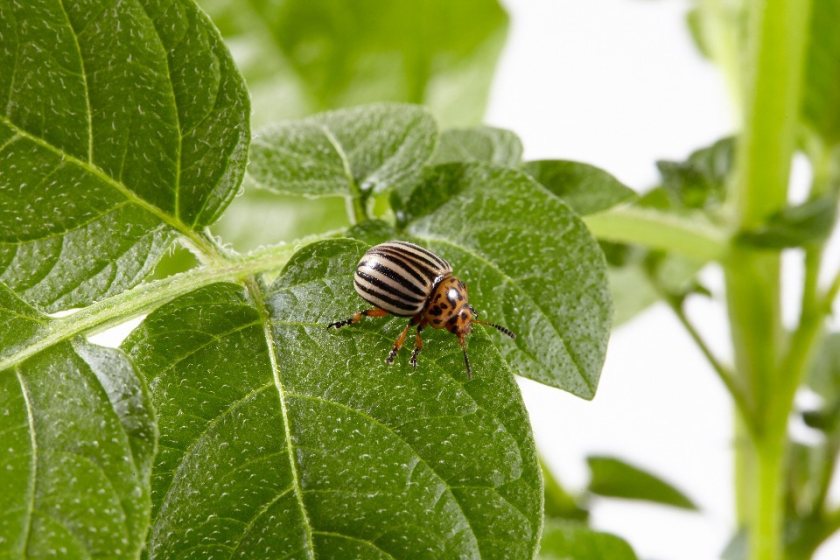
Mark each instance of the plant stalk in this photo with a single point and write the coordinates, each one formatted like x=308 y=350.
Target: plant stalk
x=146 y=297
x=657 y=230
x=771 y=97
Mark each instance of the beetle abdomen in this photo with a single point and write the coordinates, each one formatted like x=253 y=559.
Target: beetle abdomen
x=398 y=277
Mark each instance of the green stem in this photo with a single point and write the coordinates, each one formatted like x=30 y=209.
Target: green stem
x=777 y=37
x=658 y=230
x=149 y=296
x=356 y=210
x=831 y=294
x=726 y=376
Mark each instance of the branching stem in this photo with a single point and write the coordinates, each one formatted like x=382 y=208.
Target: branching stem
x=146 y=297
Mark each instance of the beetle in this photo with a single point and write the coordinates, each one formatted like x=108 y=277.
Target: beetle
x=403 y=279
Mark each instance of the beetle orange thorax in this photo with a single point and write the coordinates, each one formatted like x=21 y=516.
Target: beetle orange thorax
x=448 y=307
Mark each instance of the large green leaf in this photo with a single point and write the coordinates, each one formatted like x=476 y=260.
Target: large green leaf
x=479 y=143
x=368 y=148
x=574 y=541
x=281 y=438
x=529 y=262
x=78 y=440
x=618 y=479
x=122 y=124
x=304 y=56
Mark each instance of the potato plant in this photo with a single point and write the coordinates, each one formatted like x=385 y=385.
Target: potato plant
x=231 y=423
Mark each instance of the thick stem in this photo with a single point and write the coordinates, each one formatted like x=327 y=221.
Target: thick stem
x=767 y=515
x=777 y=36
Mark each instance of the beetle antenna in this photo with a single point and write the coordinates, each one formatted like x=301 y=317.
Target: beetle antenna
x=502 y=329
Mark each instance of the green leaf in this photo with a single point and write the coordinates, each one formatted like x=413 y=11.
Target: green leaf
x=584 y=187
x=824 y=379
x=305 y=56
x=695 y=189
x=509 y=239
x=78 y=440
x=699 y=182
x=615 y=478
x=370 y=148
x=479 y=143
x=120 y=127
x=574 y=541
x=821 y=91
x=280 y=437
x=794 y=226
x=559 y=503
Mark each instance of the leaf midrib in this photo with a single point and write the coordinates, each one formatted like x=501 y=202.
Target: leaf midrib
x=255 y=291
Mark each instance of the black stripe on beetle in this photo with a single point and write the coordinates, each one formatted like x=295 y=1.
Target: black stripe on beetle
x=392 y=274
x=403 y=279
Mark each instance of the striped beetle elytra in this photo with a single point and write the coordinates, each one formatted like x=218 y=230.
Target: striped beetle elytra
x=403 y=279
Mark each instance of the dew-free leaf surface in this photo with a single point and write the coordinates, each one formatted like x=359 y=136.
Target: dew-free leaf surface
x=575 y=541
x=618 y=479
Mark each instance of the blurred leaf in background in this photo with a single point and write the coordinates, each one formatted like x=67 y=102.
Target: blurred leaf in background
x=304 y=56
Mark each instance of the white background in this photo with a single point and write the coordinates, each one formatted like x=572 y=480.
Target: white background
x=619 y=84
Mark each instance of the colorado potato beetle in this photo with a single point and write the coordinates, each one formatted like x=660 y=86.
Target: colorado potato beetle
x=403 y=279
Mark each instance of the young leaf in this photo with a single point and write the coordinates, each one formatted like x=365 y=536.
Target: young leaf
x=575 y=541
x=824 y=379
x=118 y=128
x=479 y=143
x=560 y=504
x=304 y=56
x=78 y=440
x=367 y=148
x=699 y=182
x=584 y=187
x=617 y=479
x=795 y=226
x=280 y=437
x=509 y=239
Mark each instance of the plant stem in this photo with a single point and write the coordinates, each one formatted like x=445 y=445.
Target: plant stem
x=146 y=297
x=356 y=207
x=777 y=37
x=726 y=376
x=657 y=230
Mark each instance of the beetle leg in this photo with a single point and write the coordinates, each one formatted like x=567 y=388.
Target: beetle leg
x=398 y=344
x=418 y=345
x=357 y=316
x=463 y=344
